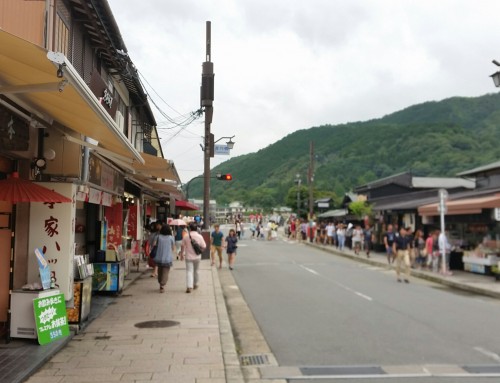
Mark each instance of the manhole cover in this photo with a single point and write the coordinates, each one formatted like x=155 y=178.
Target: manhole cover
x=157 y=324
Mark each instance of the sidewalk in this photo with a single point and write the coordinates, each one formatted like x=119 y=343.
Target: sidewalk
x=145 y=336
x=463 y=280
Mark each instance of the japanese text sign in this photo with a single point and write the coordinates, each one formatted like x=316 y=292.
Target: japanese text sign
x=50 y=318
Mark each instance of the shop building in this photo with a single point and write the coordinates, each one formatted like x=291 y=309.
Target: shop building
x=74 y=118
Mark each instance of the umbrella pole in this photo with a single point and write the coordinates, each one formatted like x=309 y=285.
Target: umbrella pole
x=11 y=271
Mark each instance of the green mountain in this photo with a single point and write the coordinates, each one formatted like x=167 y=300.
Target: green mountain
x=430 y=139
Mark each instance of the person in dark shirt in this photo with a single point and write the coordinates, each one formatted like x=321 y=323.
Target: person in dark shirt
x=389 y=238
x=401 y=247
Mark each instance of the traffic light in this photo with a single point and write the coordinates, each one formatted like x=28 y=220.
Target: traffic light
x=225 y=177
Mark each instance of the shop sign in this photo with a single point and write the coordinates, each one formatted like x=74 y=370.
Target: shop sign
x=103 y=175
x=50 y=318
x=496 y=214
x=14 y=132
x=95 y=196
x=222 y=150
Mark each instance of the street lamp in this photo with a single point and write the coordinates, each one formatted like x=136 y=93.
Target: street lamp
x=496 y=76
x=229 y=144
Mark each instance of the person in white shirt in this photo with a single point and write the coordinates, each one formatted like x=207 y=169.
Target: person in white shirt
x=444 y=248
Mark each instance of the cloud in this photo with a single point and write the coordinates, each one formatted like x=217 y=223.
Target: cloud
x=285 y=65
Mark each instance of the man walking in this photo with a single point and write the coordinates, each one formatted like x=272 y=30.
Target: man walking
x=216 y=242
x=389 y=238
x=401 y=247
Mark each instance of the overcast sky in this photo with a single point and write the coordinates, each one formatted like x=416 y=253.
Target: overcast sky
x=285 y=65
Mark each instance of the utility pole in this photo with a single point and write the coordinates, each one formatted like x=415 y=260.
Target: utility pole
x=207 y=98
x=310 y=179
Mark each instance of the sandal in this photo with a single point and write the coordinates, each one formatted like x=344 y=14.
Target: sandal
x=162 y=290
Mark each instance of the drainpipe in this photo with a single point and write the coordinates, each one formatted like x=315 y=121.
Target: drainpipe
x=85 y=164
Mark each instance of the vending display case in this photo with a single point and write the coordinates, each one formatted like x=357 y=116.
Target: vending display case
x=82 y=296
x=22 y=320
x=108 y=276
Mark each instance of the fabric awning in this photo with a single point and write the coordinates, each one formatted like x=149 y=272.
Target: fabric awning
x=334 y=213
x=186 y=205
x=156 y=167
x=463 y=206
x=28 y=77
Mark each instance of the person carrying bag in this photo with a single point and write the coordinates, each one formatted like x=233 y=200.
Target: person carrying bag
x=192 y=247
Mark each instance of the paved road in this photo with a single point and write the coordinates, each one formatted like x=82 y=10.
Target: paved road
x=316 y=309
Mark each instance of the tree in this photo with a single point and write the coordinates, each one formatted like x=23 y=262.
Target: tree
x=361 y=209
x=291 y=198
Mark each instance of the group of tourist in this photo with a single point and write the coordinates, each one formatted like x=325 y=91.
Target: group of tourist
x=169 y=242
x=163 y=244
x=405 y=248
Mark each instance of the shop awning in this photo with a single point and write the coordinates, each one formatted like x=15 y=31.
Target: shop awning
x=463 y=206
x=186 y=205
x=29 y=77
x=334 y=213
x=156 y=167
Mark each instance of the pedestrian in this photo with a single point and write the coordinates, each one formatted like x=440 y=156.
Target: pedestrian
x=357 y=238
x=231 y=246
x=444 y=248
x=330 y=229
x=192 y=259
x=293 y=228
x=216 y=239
x=340 y=236
x=367 y=239
x=155 y=232
x=238 y=229
x=164 y=254
x=178 y=240
x=389 y=238
x=419 y=248
x=401 y=247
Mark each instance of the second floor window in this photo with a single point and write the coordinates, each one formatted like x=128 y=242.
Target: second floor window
x=61 y=43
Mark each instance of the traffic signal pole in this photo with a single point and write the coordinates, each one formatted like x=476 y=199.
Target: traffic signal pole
x=207 y=98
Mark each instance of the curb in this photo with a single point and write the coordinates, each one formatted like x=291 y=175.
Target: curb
x=415 y=273
x=228 y=345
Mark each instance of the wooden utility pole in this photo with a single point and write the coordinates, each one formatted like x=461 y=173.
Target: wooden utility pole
x=310 y=179
x=207 y=98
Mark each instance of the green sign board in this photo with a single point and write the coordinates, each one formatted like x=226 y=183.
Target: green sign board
x=50 y=318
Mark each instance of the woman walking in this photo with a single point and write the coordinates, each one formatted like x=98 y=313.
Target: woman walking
x=231 y=241
x=192 y=259
x=164 y=255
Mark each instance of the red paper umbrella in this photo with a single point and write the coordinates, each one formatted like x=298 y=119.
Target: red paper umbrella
x=15 y=189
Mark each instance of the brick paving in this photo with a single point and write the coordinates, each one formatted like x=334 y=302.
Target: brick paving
x=197 y=347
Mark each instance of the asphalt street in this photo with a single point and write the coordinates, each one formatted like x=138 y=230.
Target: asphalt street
x=318 y=310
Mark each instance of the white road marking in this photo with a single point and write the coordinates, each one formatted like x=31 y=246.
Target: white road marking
x=489 y=354
x=361 y=295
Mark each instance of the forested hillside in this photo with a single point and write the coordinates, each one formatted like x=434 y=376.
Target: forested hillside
x=431 y=139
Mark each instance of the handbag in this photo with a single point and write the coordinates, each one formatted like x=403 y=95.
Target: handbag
x=152 y=253
x=196 y=247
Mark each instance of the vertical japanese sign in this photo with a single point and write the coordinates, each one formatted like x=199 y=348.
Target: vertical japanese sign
x=114 y=217
x=50 y=318
x=52 y=228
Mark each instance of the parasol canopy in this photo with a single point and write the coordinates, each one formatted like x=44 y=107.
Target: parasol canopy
x=177 y=222
x=15 y=189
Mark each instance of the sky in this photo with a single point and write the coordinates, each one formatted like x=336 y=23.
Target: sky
x=286 y=65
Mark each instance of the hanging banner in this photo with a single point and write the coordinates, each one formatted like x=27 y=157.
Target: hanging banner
x=114 y=218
